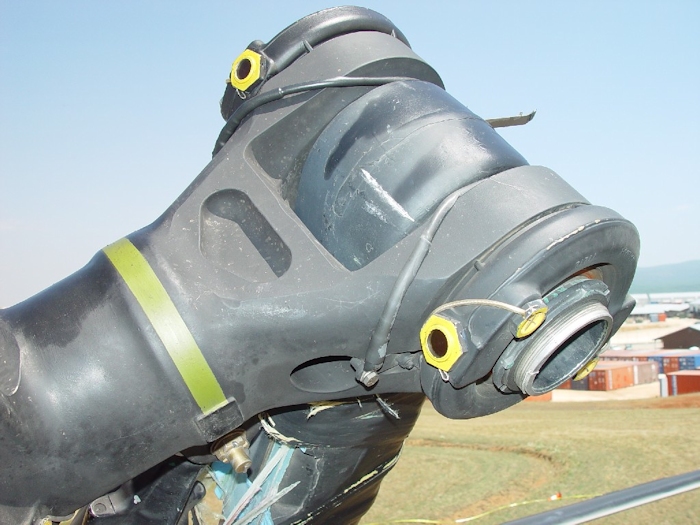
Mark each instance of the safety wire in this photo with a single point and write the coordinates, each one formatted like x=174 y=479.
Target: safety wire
x=480 y=302
x=374 y=357
x=554 y=497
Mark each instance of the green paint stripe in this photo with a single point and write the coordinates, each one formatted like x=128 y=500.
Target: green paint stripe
x=168 y=324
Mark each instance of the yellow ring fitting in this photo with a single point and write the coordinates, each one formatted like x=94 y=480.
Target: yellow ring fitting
x=586 y=369
x=532 y=322
x=439 y=339
x=245 y=70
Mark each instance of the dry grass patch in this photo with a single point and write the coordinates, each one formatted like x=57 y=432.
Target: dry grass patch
x=454 y=469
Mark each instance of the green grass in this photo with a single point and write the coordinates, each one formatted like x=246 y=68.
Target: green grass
x=456 y=469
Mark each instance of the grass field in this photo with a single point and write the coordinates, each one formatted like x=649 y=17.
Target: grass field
x=457 y=469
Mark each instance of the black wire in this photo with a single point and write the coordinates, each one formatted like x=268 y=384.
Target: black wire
x=270 y=96
x=374 y=358
x=376 y=351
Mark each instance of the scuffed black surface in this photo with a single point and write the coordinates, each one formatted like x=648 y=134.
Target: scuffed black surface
x=9 y=361
x=100 y=400
x=336 y=449
x=387 y=161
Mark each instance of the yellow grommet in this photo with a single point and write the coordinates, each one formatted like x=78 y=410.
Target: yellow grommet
x=586 y=369
x=245 y=70
x=439 y=339
x=531 y=323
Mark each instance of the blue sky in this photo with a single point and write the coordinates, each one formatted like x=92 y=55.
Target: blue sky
x=109 y=109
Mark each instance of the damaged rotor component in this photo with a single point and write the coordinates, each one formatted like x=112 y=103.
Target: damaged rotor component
x=350 y=196
x=336 y=453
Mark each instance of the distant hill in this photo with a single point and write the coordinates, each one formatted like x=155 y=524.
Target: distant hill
x=680 y=277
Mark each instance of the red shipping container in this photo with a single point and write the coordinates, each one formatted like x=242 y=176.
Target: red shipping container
x=684 y=382
x=611 y=375
x=671 y=364
x=625 y=373
x=544 y=397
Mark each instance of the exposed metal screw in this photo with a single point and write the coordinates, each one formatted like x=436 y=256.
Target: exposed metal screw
x=233 y=449
x=369 y=378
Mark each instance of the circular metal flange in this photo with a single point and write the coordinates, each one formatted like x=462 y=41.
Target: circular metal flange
x=561 y=348
x=577 y=326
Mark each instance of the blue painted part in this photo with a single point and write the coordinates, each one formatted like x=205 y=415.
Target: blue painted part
x=232 y=487
x=658 y=359
x=229 y=484
x=685 y=363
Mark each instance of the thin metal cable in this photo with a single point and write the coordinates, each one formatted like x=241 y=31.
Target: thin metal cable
x=480 y=302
